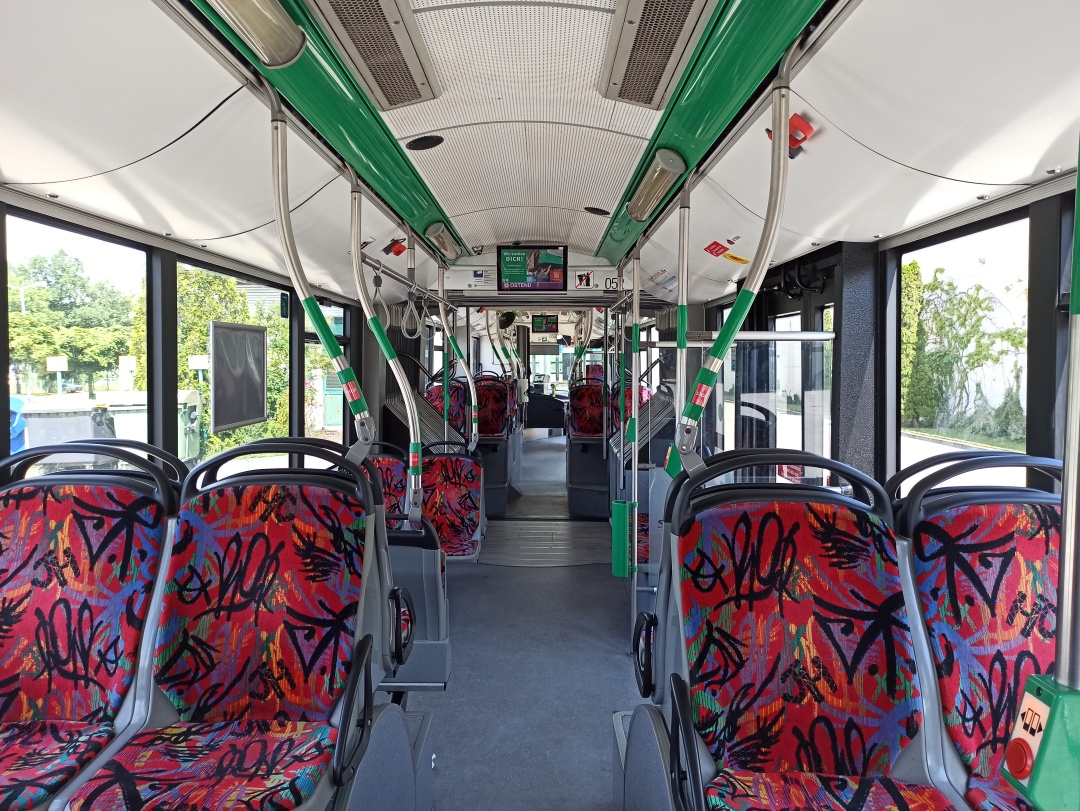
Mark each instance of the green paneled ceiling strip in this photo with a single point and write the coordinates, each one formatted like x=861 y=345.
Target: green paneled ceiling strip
x=742 y=45
x=321 y=88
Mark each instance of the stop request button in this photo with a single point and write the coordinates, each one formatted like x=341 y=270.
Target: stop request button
x=1019 y=758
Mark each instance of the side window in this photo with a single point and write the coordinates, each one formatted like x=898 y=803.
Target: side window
x=963 y=347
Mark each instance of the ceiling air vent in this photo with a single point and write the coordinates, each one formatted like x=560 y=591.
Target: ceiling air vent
x=648 y=48
x=383 y=44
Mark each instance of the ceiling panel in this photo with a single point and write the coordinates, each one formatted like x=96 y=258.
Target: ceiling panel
x=215 y=182
x=523 y=124
x=896 y=134
x=88 y=86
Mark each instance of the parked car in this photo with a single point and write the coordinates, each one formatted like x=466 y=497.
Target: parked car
x=71 y=387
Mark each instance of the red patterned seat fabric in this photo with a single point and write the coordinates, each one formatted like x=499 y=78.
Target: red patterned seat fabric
x=585 y=412
x=987 y=576
x=615 y=419
x=254 y=647
x=77 y=566
x=393 y=473
x=492 y=400
x=37 y=758
x=643 y=537
x=270 y=765
x=751 y=791
x=799 y=654
x=434 y=395
x=452 y=501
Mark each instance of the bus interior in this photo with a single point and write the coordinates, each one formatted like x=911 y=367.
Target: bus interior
x=483 y=405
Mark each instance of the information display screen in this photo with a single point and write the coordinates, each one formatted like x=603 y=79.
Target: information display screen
x=237 y=375
x=546 y=324
x=532 y=267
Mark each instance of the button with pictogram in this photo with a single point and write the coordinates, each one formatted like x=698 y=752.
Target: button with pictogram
x=1019 y=759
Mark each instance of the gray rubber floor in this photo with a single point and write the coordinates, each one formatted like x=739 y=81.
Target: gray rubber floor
x=540 y=662
x=543 y=482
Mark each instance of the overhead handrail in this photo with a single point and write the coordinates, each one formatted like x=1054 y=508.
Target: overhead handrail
x=687 y=430
x=491 y=341
x=365 y=425
x=414 y=492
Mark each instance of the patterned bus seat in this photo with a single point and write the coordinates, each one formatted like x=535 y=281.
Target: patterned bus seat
x=987 y=577
x=614 y=418
x=77 y=568
x=492 y=400
x=802 y=680
x=452 y=492
x=253 y=651
x=585 y=411
x=434 y=395
x=393 y=472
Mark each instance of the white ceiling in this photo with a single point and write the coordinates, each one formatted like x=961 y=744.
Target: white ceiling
x=122 y=124
x=110 y=89
x=915 y=82
x=529 y=140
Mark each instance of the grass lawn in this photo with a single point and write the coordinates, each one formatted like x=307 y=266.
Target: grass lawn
x=992 y=443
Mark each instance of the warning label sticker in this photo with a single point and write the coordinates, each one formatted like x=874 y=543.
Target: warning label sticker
x=716 y=249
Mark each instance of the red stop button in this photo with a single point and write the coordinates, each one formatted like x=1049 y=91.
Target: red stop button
x=1019 y=759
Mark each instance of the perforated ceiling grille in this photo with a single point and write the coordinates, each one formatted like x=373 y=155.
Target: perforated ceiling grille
x=658 y=31
x=366 y=25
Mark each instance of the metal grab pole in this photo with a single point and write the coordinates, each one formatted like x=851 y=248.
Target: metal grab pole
x=632 y=435
x=607 y=385
x=686 y=433
x=682 y=307
x=491 y=340
x=365 y=426
x=474 y=411
x=414 y=493
x=1067 y=670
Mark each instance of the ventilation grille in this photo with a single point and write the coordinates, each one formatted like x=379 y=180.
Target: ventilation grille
x=658 y=31
x=649 y=46
x=369 y=31
x=381 y=40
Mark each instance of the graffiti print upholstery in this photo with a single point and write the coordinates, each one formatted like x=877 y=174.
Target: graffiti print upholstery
x=585 y=414
x=256 y=639
x=800 y=661
x=492 y=400
x=434 y=395
x=987 y=576
x=77 y=566
x=452 y=501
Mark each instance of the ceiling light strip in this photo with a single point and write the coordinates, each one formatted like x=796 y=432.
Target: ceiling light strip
x=740 y=47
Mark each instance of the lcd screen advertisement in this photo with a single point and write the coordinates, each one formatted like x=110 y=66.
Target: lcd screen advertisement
x=532 y=267
x=545 y=324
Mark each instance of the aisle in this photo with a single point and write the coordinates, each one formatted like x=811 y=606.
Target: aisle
x=543 y=481
x=540 y=662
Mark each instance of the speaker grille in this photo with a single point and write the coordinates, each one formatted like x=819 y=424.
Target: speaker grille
x=658 y=29
x=366 y=25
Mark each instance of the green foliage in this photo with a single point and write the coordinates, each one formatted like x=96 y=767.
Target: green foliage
x=911 y=304
x=66 y=314
x=947 y=336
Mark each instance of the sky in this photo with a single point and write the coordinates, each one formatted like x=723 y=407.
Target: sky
x=998 y=260
x=122 y=267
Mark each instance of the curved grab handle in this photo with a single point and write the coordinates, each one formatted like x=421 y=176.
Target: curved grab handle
x=892 y=485
x=394 y=450
x=913 y=502
x=865 y=489
x=205 y=476
x=174 y=463
x=15 y=467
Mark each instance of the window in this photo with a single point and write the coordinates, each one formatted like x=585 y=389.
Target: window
x=963 y=347
x=204 y=296
x=77 y=337
x=324 y=398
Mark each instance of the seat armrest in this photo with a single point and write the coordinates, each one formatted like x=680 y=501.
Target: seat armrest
x=403 y=614
x=345 y=762
x=423 y=538
x=644 y=634
x=687 y=788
